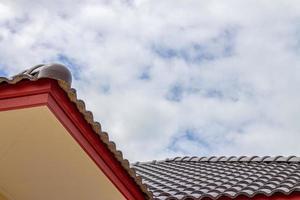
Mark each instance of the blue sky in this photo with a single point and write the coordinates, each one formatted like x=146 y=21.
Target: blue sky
x=171 y=78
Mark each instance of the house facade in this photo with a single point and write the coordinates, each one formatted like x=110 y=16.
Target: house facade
x=51 y=148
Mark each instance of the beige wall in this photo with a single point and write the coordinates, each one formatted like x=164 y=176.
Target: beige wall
x=2 y=197
x=40 y=160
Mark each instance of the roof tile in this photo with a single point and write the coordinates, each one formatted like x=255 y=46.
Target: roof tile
x=213 y=177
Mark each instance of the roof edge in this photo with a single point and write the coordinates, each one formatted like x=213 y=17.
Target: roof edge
x=289 y=159
x=63 y=76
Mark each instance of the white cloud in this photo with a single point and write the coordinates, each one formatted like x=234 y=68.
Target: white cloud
x=242 y=100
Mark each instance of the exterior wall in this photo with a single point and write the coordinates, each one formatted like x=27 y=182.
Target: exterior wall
x=39 y=159
x=2 y=197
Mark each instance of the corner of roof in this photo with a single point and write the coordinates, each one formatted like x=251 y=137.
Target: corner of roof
x=63 y=76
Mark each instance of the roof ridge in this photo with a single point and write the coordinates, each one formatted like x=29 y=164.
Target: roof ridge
x=289 y=159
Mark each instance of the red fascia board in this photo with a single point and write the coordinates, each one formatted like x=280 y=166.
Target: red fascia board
x=23 y=94
x=47 y=92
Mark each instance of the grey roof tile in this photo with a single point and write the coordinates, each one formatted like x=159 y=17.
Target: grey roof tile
x=194 y=178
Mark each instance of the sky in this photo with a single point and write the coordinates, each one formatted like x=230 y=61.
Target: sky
x=171 y=78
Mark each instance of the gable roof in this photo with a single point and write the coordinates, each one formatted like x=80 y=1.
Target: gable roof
x=214 y=177
x=63 y=77
x=187 y=177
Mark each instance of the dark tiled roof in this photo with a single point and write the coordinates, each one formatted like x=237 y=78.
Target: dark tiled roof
x=213 y=177
x=64 y=78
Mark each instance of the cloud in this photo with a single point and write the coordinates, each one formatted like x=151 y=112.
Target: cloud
x=169 y=78
x=216 y=47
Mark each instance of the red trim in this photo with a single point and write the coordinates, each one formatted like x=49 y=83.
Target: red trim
x=24 y=94
x=23 y=102
x=47 y=92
